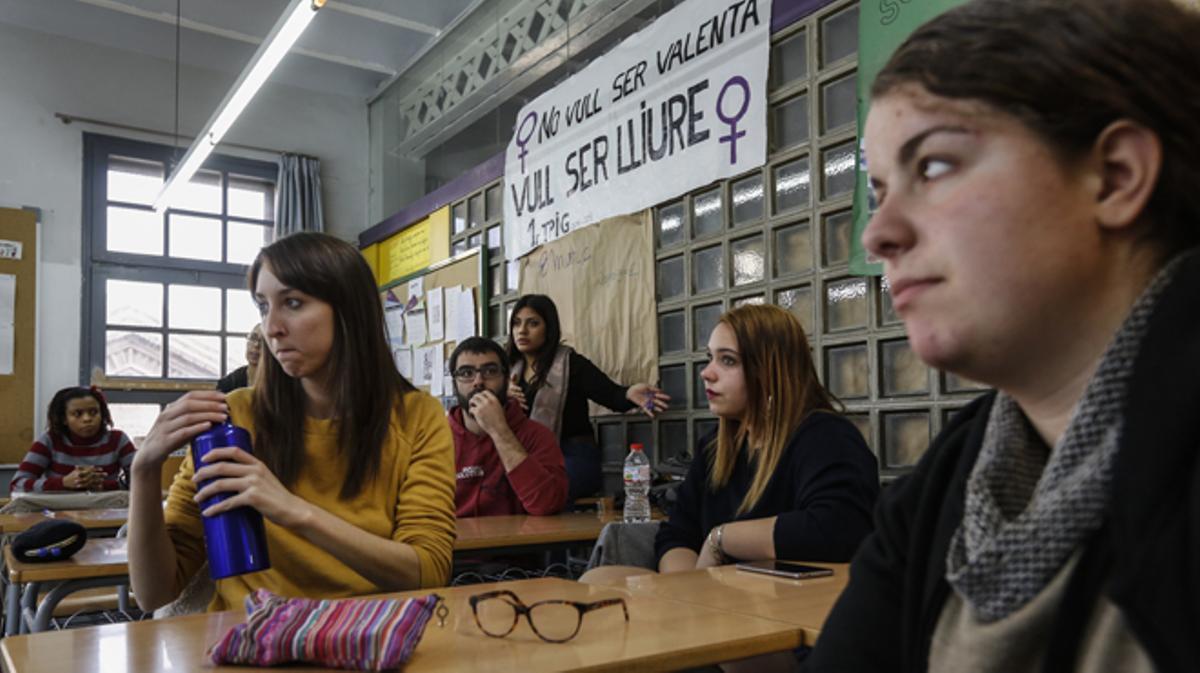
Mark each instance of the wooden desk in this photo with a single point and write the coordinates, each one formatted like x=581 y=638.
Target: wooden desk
x=659 y=636
x=92 y=519
x=496 y=533
x=803 y=603
x=103 y=562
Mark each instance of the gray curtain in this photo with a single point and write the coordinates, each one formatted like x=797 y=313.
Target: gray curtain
x=298 y=195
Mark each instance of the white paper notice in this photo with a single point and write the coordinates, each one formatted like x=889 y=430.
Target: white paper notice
x=414 y=328
x=416 y=289
x=8 y=298
x=10 y=249
x=423 y=365
x=466 y=312
x=395 y=325
x=451 y=310
x=6 y=349
x=404 y=362
x=433 y=313
x=8 y=302
x=438 y=375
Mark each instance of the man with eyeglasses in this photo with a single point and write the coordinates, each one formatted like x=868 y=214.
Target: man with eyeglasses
x=505 y=462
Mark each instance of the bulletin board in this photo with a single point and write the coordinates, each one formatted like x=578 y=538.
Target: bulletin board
x=18 y=230
x=411 y=310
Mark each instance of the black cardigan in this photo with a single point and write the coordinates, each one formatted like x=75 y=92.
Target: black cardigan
x=585 y=382
x=821 y=493
x=238 y=378
x=1145 y=558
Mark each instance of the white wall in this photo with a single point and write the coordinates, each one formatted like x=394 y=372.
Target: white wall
x=41 y=159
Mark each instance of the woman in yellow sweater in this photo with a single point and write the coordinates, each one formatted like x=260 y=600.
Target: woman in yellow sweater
x=353 y=468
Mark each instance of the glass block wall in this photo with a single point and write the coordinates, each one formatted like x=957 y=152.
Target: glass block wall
x=779 y=234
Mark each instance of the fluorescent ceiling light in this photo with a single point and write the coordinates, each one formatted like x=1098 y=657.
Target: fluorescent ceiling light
x=278 y=42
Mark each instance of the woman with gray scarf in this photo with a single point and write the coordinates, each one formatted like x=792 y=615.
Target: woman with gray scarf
x=1035 y=167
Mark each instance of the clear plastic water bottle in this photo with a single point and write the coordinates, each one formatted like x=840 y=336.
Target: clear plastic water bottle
x=637 y=485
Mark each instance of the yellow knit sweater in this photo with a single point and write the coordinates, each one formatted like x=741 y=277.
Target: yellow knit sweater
x=411 y=501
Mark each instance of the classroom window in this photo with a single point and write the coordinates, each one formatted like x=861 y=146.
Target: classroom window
x=135 y=420
x=166 y=292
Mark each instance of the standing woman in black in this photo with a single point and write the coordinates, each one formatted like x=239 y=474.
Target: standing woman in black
x=554 y=383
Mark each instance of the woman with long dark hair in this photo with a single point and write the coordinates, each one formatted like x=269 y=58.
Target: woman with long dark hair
x=1035 y=166
x=353 y=468
x=554 y=384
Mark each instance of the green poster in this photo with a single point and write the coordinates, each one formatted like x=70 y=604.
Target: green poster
x=882 y=26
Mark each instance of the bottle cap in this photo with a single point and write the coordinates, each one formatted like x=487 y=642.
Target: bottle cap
x=635 y=447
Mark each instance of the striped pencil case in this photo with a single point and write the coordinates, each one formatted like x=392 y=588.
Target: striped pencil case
x=353 y=633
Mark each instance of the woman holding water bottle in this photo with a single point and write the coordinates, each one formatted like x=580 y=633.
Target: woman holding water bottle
x=554 y=383
x=352 y=468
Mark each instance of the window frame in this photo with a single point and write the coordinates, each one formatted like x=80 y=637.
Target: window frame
x=100 y=265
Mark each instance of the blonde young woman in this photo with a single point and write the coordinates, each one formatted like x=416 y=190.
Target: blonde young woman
x=784 y=477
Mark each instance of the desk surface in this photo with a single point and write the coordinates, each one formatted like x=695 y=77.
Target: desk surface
x=91 y=519
x=100 y=557
x=490 y=532
x=104 y=557
x=803 y=603
x=660 y=635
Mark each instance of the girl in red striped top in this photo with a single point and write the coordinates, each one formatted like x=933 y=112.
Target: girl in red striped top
x=80 y=450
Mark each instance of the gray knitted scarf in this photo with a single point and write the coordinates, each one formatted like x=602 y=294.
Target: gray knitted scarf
x=1029 y=508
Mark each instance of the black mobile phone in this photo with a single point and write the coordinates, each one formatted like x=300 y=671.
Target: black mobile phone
x=785 y=569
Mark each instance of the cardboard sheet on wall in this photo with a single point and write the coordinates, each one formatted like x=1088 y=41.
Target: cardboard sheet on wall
x=20 y=420
x=601 y=279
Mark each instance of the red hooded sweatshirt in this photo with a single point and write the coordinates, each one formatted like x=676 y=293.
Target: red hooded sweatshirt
x=537 y=486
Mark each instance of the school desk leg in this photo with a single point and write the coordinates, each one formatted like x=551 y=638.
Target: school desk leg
x=28 y=603
x=12 y=609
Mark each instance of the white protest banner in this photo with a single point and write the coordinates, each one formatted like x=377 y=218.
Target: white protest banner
x=674 y=107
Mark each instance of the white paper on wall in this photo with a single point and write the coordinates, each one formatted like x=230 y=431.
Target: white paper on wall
x=465 y=313
x=434 y=314
x=395 y=325
x=8 y=303
x=8 y=298
x=416 y=290
x=450 y=309
x=423 y=365
x=10 y=249
x=404 y=362
x=414 y=328
x=438 y=375
x=6 y=349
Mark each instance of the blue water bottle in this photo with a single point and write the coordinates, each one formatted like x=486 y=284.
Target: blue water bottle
x=236 y=540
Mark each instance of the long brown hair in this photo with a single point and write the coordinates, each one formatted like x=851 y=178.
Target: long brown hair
x=366 y=388
x=544 y=358
x=782 y=389
x=1069 y=68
